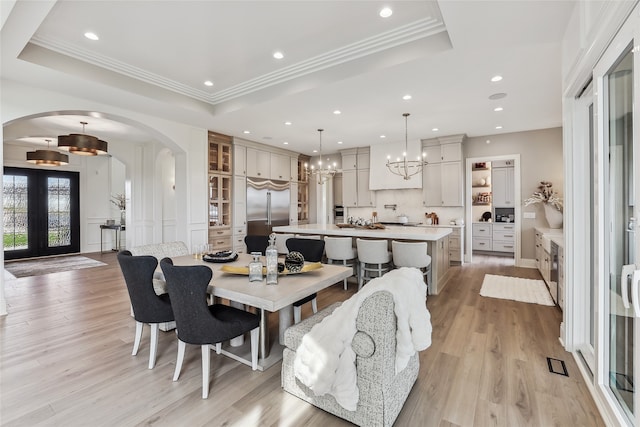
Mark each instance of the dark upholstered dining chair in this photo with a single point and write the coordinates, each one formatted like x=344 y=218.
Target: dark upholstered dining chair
x=256 y=243
x=312 y=250
x=147 y=306
x=201 y=324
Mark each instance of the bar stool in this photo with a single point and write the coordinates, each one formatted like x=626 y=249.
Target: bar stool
x=372 y=252
x=412 y=254
x=281 y=243
x=341 y=249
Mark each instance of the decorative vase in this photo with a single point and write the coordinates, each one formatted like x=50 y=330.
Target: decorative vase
x=123 y=217
x=554 y=216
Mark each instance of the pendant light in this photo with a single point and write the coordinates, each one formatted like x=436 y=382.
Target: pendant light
x=47 y=157
x=82 y=144
x=322 y=174
x=403 y=167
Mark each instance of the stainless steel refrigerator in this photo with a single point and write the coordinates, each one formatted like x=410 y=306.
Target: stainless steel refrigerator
x=267 y=205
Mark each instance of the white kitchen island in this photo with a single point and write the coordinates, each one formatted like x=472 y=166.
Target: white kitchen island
x=435 y=237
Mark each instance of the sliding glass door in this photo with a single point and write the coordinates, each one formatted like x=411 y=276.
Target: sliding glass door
x=41 y=212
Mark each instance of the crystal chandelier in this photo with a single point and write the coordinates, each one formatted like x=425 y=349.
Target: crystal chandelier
x=322 y=174
x=404 y=167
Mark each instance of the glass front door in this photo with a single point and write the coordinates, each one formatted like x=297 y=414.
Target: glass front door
x=41 y=213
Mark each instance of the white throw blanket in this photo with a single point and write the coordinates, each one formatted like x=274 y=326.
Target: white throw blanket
x=325 y=361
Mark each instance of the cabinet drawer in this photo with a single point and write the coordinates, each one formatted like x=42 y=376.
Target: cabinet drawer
x=508 y=236
x=482 y=243
x=220 y=243
x=215 y=233
x=481 y=230
x=241 y=229
x=497 y=226
x=238 y=244
x=503 y=246
x=454 y=255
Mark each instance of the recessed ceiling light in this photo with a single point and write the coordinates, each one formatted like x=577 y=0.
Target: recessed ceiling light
x=499 y=95
x=278 y=55
x=496 y=78
x=336 y=112
x=498 y=127
x=407 y=97
x=314 y=151
x=435 y=129
x=208 y=83
x=383 y=136
x=91 y=36
x=339 y=142
x=287 y=123
x=246 y=131
x=488 y=141
x=386 y=12
x=285 y=143
x=498 y=109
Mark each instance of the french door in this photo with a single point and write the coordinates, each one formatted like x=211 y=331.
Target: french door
x=41 y=212
x=618 y=256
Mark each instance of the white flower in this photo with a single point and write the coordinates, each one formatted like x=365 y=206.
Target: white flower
x=545 y=194
x=120 y=201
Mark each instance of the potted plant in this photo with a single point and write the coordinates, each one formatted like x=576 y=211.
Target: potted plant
x=121 y=202
x=550 y=201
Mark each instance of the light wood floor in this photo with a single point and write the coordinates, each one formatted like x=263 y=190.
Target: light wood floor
x=65 y=349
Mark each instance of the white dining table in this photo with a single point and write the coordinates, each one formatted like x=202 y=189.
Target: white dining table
x=266 y=298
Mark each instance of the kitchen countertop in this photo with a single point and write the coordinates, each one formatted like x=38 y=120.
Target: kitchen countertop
x=427 y=233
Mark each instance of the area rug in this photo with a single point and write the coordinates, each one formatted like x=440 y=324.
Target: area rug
x=516 y=289
x=38 y=267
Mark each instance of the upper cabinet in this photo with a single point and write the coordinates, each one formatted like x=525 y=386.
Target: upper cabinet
x=258 y=163
x=219 y=153
x=442 y=176
x=355 y=178
x=502 y=179
x=239 y=160
x=280 y=167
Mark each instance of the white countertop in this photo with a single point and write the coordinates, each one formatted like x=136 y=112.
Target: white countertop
x=440 y=226
x=427 y=233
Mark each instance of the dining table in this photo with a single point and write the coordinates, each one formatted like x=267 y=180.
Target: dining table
x=236 y=287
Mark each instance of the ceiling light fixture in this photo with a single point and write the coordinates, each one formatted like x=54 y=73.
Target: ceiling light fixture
x=383 y=136
x=278 y=55
x=498 y=109
x=47 y=157
x=287 y=123
x=498 y=127
x=246 y=132
x=496 y=78
x=285 y=143
x=322 y=174
x=82 y=144
x=403 y=167
x=407 y=97
x=435 y=130
x=386 y=12
x=208 y=83
x=91 y=36
x=336 y=112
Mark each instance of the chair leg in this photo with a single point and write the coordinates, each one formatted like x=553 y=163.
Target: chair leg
x=255 y=334
x=181 y=347
x=297 y=314
x=205 y=370
x=154 y=344
x=136 y=341
x=218 y=347
x=360 y=275
x=314 y=305
x=344 y=282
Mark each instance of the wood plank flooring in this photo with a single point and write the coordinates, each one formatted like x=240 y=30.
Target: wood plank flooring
x=65 y=351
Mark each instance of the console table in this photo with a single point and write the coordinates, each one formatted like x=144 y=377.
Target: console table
x=118 y=229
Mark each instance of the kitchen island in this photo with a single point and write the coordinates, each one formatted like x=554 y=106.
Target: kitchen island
x=435 y=237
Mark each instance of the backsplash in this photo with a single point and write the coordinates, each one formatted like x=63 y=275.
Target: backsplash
x=409 y=202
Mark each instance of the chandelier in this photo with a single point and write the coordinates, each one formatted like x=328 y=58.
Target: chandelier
x=404 y=167
x=81 y=144
x=47 y=157
x=322 y=174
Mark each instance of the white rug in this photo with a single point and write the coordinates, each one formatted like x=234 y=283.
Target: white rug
x=37 y=267
x=516 y=289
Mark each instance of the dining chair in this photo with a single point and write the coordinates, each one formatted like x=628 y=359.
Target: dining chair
x=312 y=250
x=256 y=243
x=201 y=324
x=148 y=307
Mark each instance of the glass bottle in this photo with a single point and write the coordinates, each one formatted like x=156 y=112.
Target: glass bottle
x=255 y=268
x=272 y=261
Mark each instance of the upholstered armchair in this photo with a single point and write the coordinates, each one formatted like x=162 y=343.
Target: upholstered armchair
x=382 y=391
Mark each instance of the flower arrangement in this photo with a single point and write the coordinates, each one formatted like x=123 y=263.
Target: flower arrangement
x=545 y=194
x=120 y=201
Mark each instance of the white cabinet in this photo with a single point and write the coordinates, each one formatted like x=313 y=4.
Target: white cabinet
x=482 y=236
x=502 y=187
x=293 y=205
x=239 y=229
x=503 y=237
x=258 y=163
x=355 y=178
x=294 y=169
x=280 y=167
x=442 y=176
x=456 y=246
x=239 y=160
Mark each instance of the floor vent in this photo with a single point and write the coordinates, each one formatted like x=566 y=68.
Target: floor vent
x=557 y=366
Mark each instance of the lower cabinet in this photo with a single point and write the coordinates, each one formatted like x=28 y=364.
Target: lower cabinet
x=503 y=237
x=220 y=239
x=456 y=246
x=482 y=236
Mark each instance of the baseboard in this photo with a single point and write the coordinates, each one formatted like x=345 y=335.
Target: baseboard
x=527 y=263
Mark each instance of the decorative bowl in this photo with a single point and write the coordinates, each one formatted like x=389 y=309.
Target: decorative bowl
x=294 y=261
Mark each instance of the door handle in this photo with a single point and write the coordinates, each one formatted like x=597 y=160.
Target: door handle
x=627 y=273
x=635 y=292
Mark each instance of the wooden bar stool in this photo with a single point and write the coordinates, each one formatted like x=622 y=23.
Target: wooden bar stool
x=374 y=258
x=412 y=254
x=341 y=249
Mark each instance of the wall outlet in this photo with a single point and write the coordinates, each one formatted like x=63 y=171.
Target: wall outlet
x=529 y=215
